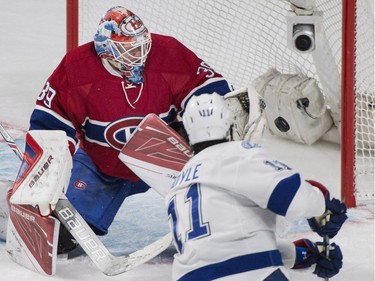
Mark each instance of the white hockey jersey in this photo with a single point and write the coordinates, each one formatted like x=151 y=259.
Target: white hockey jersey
x=223 y=207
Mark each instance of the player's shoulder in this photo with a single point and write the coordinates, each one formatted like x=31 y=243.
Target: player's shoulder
x=81 y=53
x=240 y=146
x=79 y=66
x=163 y=39
x=231 y=149
x=166 y=43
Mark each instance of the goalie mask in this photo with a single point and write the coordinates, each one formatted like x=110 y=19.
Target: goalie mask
x=207 y=117
x=124 y=41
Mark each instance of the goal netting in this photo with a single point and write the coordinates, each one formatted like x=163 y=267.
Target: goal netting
x=242 y=39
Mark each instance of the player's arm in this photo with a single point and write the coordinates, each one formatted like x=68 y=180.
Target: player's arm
x=277 y=187
x=325 y=215
x=334 y=216
x=50 y=112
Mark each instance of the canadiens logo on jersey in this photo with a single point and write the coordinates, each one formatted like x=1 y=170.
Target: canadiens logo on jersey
x=114 y=134
x=117 y=133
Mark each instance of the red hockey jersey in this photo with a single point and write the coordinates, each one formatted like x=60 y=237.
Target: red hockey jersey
x=99 y=109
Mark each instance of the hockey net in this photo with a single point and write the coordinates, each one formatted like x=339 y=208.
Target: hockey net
x=243 y=39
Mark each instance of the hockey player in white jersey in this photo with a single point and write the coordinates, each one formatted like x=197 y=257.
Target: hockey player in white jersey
x=224 y=204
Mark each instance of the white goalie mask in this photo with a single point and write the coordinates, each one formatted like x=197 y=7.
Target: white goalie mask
x=207 y=117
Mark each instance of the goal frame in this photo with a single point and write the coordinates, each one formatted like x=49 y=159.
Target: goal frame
x=347 y=89
x=348 y=103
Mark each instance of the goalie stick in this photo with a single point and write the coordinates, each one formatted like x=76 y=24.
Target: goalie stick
x=87 y=239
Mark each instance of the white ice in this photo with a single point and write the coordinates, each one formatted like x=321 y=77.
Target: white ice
x=32 y=44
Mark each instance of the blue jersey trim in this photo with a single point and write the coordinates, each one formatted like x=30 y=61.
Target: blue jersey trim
x=41 y=120
x=234 y=266
x=220 y=87
x=283 y=194
x=96 y=132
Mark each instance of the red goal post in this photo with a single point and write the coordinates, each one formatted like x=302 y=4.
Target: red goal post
x=244 y=38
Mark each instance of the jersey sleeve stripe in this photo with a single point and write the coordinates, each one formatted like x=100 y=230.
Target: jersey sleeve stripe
x=283 y=194
x=52 y=121
x=234 y=266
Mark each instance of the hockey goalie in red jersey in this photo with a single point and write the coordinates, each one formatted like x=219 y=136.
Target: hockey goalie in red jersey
x=101 y=91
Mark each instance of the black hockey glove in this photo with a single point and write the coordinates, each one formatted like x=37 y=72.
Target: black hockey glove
x=309 y=253
x=333 y=218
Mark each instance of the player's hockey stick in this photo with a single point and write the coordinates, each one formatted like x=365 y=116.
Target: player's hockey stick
x=87 y=239
x=97 y=251
x=326 y=243
x=9 y=140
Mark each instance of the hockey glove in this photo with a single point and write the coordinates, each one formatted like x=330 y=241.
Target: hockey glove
x=327 y=267
x=309 y=253
x=333 y=218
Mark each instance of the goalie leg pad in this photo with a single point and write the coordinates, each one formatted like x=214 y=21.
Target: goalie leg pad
x=32 y=239
x=5 y=186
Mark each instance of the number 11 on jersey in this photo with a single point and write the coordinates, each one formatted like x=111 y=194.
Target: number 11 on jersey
x=198 y=228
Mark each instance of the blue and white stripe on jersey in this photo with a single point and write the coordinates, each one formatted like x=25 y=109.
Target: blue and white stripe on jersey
x=283 y=194
x=234 y=265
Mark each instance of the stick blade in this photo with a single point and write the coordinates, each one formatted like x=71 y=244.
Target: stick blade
x=125 y=263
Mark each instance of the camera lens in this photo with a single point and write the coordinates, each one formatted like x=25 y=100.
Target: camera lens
x=303 y=37
x=303 y=42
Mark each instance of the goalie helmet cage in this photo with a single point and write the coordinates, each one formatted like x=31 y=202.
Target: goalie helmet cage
x=243 y=39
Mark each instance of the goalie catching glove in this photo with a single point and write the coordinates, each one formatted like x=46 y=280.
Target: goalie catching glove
x=309 y=253
x=333 y=218
x=296 y=108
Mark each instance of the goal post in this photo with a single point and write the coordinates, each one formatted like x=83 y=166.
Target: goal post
x=348 y=104
x=243 y=39
x=72 y=24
